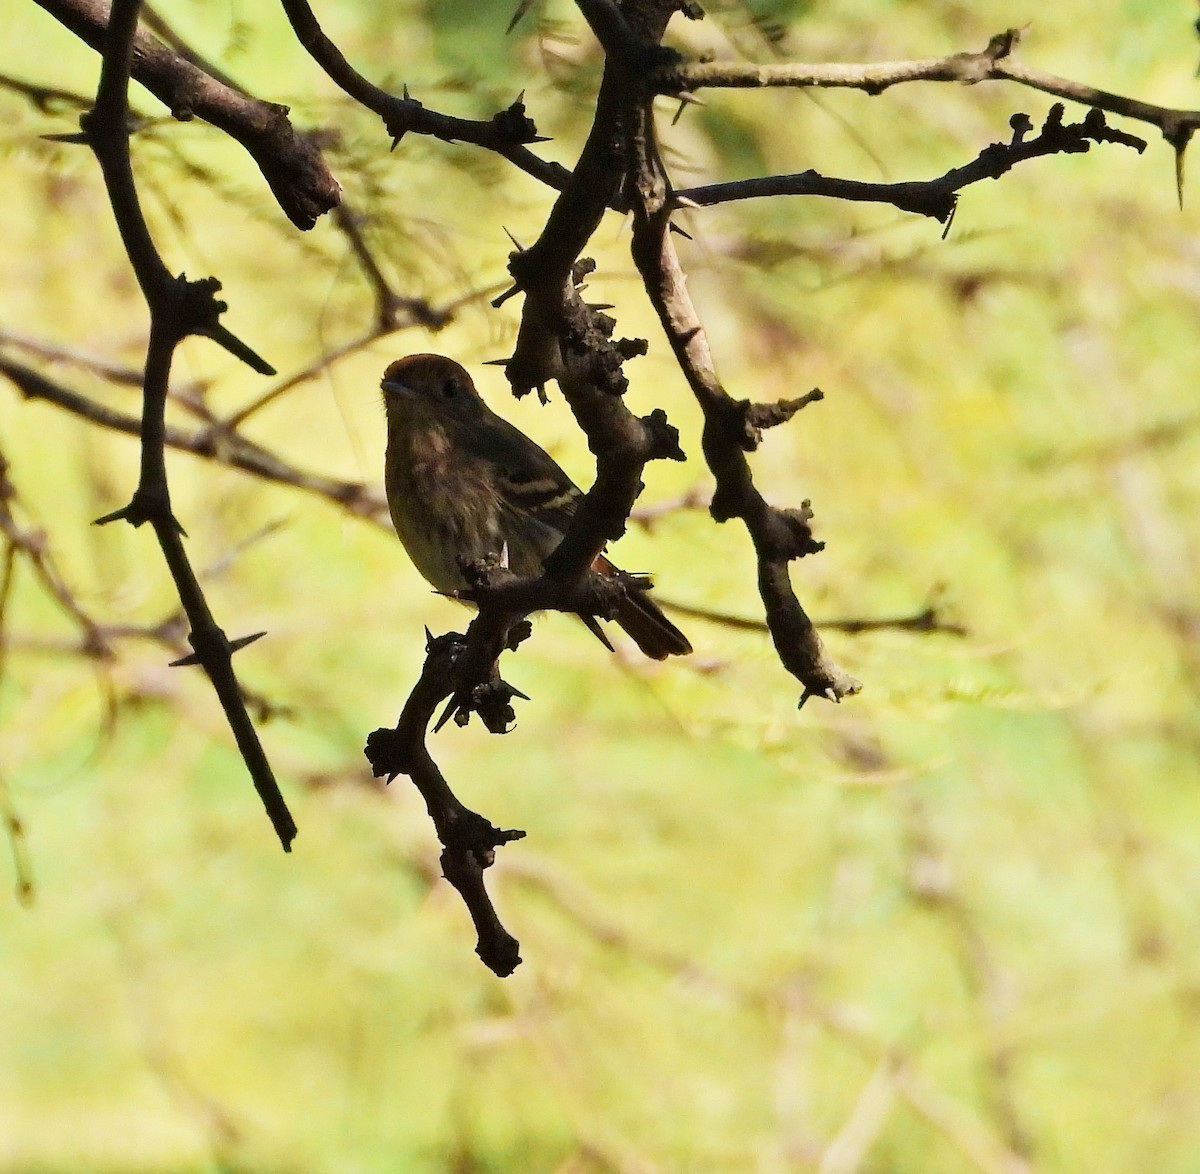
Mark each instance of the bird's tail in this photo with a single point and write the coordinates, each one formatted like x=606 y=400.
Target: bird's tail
x=642 y=620
x=651 y=631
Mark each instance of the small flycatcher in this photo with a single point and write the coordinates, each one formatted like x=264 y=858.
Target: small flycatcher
x=462 y=484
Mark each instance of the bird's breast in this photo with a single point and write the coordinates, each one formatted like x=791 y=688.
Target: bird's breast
x=443 y=505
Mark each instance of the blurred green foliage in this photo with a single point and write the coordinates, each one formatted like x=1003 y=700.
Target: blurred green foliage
x=950 y=925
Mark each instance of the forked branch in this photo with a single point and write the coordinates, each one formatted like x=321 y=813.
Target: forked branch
x=178 y=308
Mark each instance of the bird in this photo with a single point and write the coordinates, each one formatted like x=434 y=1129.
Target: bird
x=464 y=484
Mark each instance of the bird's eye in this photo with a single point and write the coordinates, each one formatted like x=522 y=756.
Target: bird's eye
x=450 y=388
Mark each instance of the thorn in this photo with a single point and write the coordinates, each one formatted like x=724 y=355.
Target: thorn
x=542 y=396
x=1180 y=149
x=428 y=637
x=234 y=646
x=830 y=695
x=686 y=98
x=406 y=95
x=517 y=693
x=242 y=641
x=238 y=349
x=541 y=139
x=682 y=201
x=495 y=362
x=504 y=555
x=520 y=99
x=136 y=516
x=593 y=625
x=687 y=236
x=601 y=306
x=451 y=706
x=522 y=8
x=396 y=141
x=516 y=243
x=512 y=291
x=950 y=218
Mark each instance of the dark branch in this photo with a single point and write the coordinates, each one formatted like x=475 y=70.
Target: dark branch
x=223 y=446
x=874 y=78
x=178 y=308
x=469 y=841
x=928 y=619
x=936 y=198
x=995 y=63
x=506 y=133
x=729 y=433
x=289 y=161
x=47 y=99
x=561 y=338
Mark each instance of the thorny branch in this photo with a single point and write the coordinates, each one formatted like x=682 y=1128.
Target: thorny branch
x=508 y=132
x=937 y=198
x=731 y=429
x=995 y=63
x=469 y=841
x=230 y=448
x=561 y=337
x=290 y=162
x=178 y=308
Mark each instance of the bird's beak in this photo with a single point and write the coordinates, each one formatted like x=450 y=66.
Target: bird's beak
x=393 y=387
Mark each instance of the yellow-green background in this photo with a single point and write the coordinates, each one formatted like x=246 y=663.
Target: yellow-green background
x=950 y=925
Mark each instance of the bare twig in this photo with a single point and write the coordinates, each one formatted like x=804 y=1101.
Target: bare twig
x=506 y=133
x=178 y=308
x=113 y=372
x=403 y=313
x=994 y=63
x=223 y=447
x=469 y=841
x=647 y=515
x=873 y=77
x=47 y=99
x=160 y=27
x=18 y=847
x=14 y=829
x=925 y=620
x=31 y=545
x=936 y=198
x=289 y=162
x=731 y=429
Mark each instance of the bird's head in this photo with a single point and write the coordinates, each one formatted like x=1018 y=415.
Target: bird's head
x=429 y=387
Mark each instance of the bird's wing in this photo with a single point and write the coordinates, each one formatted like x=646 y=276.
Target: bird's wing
x=531 y=480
